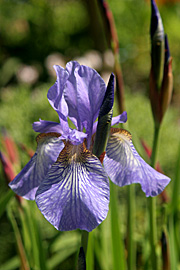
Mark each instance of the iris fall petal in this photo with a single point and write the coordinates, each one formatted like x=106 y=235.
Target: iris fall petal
x=75 y=192
x=44 y=126
x=28 y=180
x=124 y=165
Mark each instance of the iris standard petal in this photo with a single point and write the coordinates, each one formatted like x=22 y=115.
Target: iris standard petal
x=90 y=94
x=56 y=96
x=44 y=126
x=55 y=92
x=75 y=192
x=124 y=165
x=70 y=94
x=28 y=180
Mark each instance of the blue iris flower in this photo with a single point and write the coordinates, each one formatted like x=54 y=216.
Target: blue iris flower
x=67 y=181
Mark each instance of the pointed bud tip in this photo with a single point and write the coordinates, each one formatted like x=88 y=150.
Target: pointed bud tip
x=154 y=18
x=108 y=100
x=156 y=28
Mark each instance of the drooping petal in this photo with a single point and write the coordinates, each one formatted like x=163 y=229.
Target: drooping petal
x=122 y=118
x=124 y=165
x=75 y=192
x=28 y=180
x=44 y=126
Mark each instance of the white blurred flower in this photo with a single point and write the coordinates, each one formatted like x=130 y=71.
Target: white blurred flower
x=54 y=59
x=27 y=74
x=92 y=59
x=108 y=59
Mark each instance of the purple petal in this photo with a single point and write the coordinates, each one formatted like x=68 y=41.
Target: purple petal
x=122 y=118
x=56 y=91
x=44 y=126
x=90 y=94
x=75 y=193
x=156 y=21
x=70 y=94
x=28 y=180
x=74 y=136
x=56 y=96
x=167 y=51
x=124 y=165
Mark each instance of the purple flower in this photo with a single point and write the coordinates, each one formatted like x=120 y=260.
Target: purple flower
x=67 y=180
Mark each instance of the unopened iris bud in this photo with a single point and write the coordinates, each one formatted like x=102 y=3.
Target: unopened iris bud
x=104 y=119
x=157 y=45
x=161 y=79
x=167 y=84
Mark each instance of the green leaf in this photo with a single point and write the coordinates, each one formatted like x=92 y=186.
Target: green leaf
x=22 y=254
x=11 y=264
x=66 y=240
x=63 y=247
x=176 y=186
x=32 y=236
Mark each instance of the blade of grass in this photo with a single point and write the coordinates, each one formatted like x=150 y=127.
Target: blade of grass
x=68 y=239
x=176 y=186
x=65 y=245
x=61 y=256
x=36 y=236
x=22 y=254
x=11 y=264
x=173 y=221
x=105 y=254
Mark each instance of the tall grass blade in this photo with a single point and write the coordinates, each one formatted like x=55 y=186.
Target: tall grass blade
x=22 y=254
x=11 y=264
x=173 y=221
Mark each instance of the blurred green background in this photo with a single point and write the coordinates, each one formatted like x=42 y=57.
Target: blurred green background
x=34 y=35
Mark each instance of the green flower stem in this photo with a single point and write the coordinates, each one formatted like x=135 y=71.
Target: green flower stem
x=90 y=252
x=131 y=248
x=152 y=205
x=130 y=230
x=84 y=241
x=117 y=240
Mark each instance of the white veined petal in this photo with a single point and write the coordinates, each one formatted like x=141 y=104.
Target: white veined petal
x=124 y=165
x=28 y=180
x=75 y=193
